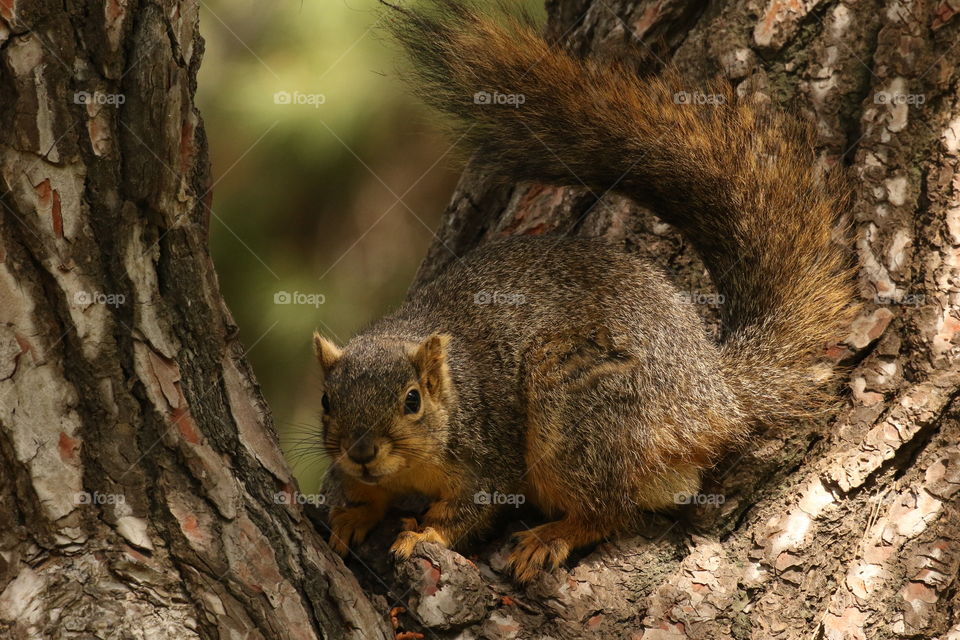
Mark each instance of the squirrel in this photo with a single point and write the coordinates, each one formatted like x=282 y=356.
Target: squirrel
x=568 y=370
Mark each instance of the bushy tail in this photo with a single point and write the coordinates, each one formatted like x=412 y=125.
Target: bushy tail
x=738 y=179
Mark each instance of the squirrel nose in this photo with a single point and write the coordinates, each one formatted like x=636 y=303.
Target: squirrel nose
x=363 y=451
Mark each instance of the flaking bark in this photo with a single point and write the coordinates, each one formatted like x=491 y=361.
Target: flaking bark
x=138 y=463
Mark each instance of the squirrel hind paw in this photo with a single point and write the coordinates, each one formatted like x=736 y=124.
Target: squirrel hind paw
x=534 y=554
x=549 y=545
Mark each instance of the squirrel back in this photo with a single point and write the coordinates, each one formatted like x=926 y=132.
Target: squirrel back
x=737 y=178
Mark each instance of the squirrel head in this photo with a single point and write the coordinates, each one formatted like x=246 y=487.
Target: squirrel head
x=386 y=403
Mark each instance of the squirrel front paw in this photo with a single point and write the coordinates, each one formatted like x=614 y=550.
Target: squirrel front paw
x=351 y=525
x=407 y=540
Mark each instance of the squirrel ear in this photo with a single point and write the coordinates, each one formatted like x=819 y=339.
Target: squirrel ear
x=327 y=352
x=430 y=359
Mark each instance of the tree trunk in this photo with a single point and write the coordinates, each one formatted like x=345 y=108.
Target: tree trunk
x=139 y=465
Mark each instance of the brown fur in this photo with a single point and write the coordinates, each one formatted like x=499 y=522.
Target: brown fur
x=599 y=395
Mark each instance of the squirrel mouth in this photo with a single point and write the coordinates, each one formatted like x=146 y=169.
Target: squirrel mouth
x=368 y=478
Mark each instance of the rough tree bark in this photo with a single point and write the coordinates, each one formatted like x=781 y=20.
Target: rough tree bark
x=138 y=463
x=845 y=529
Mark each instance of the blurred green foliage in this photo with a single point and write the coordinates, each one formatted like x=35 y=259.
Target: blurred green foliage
x=329 y=179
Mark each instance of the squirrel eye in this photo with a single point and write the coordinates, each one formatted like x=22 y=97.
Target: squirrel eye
x=412 y=403
x=325 y=401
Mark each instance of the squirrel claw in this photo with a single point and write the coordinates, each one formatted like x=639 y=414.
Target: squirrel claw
x=405 y=543
x=533 y=554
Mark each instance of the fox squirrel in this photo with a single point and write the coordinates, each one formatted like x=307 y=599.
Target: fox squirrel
x=586 y=383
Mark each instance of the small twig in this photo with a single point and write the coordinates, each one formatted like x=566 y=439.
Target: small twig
x=394 y=615
x=394 y=7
